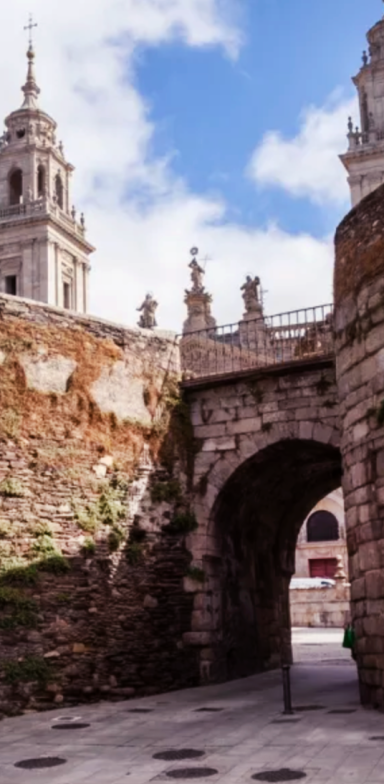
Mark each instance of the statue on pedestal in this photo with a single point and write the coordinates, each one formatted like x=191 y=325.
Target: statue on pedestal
x=250 y=291
x=198 y=300
x=148 y=310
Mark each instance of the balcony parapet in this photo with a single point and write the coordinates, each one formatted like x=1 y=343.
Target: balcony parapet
x=44 y=207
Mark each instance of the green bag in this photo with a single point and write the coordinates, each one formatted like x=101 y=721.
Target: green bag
x=349 y=638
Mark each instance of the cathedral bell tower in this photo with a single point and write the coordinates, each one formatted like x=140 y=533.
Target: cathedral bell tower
x=364 y=160
x=43 y=250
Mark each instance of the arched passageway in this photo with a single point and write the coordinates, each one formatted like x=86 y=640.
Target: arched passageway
x=256 y=521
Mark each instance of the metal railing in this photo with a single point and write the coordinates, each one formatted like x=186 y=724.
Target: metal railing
x=250 y=344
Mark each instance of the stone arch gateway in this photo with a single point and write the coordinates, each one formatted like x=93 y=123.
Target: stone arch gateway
x=268 y=450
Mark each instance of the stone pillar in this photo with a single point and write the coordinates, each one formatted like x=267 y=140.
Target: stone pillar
x=359 y=335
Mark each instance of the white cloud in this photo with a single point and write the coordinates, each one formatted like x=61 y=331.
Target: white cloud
x=142 y=219
x=307 y=165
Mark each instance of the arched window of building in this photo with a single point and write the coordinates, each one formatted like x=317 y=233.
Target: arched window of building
x=40 y=180
x=59 y=191
x=322 y=526
x=16 y=187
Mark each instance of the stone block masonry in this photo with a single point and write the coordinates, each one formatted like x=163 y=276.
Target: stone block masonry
x=92 y=564
x=268 y=452
x=359 y=325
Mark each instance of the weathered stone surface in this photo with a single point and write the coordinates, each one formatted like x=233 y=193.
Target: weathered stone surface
x=47 y=374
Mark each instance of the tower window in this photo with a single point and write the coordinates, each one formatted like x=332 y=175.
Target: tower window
x=11 y=285
x=59 y=191
x=40 y=181
x=322 y=526
x=16 y=187
x=20 y=133
x=67 y=295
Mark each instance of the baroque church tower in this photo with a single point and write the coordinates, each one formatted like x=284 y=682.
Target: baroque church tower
x=364 y=160
x=44 y=254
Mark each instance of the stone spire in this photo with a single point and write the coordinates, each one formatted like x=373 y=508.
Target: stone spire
x=364 y=160
x=31 y=90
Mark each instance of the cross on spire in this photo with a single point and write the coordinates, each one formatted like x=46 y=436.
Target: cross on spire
x=31 y=24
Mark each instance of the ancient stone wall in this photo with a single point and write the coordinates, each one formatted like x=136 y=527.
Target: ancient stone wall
x=93 y=511
x=320 y=607
x=359 y=325
x=268 y=451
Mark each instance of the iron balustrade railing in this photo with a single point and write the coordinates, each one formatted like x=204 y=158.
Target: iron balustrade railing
x=256 y=343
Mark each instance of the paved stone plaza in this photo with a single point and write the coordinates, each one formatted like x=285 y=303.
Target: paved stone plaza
x=244 y=736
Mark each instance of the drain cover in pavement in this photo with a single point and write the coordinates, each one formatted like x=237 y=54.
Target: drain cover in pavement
x=140 y=710
x=178 y=754
x=302 y=708
x=208 y=710
x=280 y=775
x=40 y=762
x=191 y=773
x=343 y=710
x=71 y=726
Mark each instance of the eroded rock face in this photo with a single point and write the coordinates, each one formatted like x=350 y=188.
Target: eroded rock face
x=359 y=326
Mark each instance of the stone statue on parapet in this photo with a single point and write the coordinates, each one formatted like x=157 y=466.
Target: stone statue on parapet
x=198 y=300
x=250 y=291
x=148 y=310
x=197 y=273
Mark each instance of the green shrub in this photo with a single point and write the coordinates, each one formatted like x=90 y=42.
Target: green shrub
x=183 y=522
x=53 y=564
x=89 y=547
x=166 y=492
x=32 y=668
x=87 y=518
x=115 y=539
x=110 y=509
x=44 y=545
x=11 y=488
x=19 y=574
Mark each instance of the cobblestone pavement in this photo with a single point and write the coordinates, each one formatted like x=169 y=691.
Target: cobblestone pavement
x=245 y=735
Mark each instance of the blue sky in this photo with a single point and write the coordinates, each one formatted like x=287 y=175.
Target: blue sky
x=215 y=123
x=212 y=111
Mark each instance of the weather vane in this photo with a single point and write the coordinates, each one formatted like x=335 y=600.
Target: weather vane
x=195 y=251
x=31 y=24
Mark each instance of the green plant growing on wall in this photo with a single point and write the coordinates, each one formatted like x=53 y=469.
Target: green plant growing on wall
x=54 y=563
x=21 y=611
x=166 y=492
x=134 y=553
x=16 y=573
x=183 y=523
x=89 y=547
x=43 y=545
x=11 y=488
x=87 y=518
x=111 y=509
x=32 y=668
x=115 y=538
x=197 y=574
